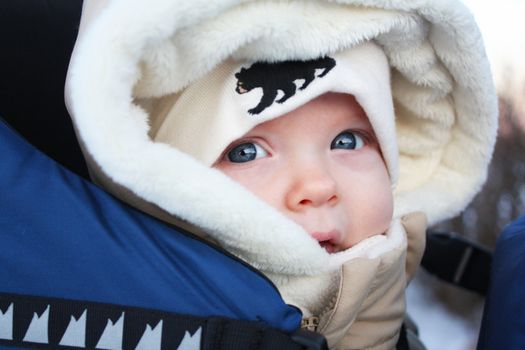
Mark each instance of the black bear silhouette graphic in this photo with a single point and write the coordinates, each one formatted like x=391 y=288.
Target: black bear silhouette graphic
x=272 y=77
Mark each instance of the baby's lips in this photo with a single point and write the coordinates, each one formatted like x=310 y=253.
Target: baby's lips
x=332 y=237
x=329 y=247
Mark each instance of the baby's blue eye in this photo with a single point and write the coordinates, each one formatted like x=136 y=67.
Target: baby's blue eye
x=246 y=152
x=347 y=140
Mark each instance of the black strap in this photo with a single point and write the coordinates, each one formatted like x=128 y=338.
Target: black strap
x=457 y=260
x=51 y=323
x=224 y=334
x=402 y=341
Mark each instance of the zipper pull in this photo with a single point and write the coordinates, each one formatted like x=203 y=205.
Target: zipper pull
x=310 y=323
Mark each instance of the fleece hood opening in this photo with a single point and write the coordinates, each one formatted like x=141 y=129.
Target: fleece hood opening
x=133 y=50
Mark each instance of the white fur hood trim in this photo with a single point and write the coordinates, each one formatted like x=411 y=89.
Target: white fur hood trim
x=445 y=104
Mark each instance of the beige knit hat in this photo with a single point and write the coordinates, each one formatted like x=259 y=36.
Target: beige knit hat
x=235 y=97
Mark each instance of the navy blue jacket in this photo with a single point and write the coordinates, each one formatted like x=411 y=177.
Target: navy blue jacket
x=503 y=324
x=64 y=240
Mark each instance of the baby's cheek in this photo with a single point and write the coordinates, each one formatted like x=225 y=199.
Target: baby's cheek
x=380 y=194
x=381 y=204
x=368 y=194
x=384 y=215
x=260 y=180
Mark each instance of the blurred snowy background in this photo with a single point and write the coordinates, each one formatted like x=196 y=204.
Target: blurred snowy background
x=448 y=317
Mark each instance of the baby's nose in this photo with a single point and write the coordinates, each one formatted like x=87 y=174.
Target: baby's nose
x=313 y=188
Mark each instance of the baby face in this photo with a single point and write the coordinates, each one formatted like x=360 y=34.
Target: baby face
x=321 y=166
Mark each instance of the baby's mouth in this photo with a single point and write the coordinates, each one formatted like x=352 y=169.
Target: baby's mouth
x=329 y=246
x=328 y=240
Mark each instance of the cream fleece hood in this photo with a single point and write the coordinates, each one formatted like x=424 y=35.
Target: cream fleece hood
x=131 y=50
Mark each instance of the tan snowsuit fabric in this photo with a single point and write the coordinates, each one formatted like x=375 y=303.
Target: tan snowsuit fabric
x=370 y=303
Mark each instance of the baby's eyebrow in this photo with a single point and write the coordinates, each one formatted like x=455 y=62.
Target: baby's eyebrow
x=360 y=125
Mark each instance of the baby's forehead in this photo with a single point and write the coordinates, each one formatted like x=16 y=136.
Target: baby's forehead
x=329 y=111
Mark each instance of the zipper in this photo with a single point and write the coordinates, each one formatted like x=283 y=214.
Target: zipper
x=310 y=323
